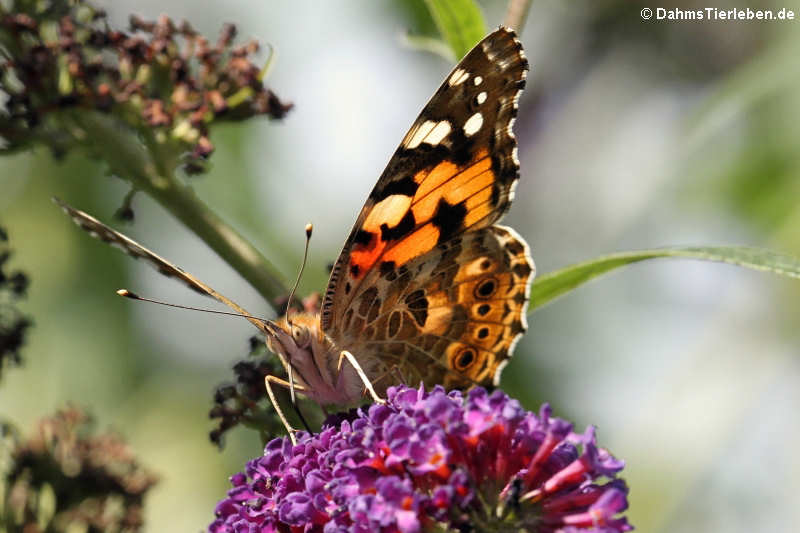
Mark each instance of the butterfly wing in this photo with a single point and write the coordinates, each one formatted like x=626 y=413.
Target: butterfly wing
x=97 y=229
x=451 y=316
x=430 y=217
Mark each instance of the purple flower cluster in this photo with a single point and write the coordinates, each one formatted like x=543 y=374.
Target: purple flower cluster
x=431 y=462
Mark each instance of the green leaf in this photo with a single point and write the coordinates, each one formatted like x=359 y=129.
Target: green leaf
x=460 y=22
x=552 y=285
x=432 y=45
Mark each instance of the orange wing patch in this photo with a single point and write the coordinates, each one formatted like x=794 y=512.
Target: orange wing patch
x=429 y=209
x=417 y=243
x=455 y=185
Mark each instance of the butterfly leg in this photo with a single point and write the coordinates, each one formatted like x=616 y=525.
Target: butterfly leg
x=364 y=379
x=283 y=383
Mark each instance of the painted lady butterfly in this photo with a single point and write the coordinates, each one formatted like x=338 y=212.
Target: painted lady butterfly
x=427 y=287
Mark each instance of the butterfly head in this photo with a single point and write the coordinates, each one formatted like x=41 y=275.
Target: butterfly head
x=300 y=331
x=285 y=337
x=312 y=356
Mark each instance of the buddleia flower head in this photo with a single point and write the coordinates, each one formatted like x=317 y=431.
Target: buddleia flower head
x=431 y=461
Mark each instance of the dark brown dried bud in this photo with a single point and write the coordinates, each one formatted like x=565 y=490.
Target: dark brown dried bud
x=104 y=98
x=246 y=401
x=23 y=21
x=218 y=103
x=13 y=324
x=227 y=35
x=203 y=147
x=154 y=114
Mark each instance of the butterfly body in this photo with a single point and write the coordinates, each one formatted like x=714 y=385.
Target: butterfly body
x=427 y=287
x=315 y=360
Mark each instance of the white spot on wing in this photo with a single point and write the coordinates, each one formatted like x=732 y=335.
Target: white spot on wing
x=389 y=210
x=417 y=134
x=438 y=133
x=473 y=124
x=481 y=97
x=487 y=49
x=477 y=80
x=458 y=77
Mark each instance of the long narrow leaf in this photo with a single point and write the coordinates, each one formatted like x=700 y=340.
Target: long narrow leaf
x=460 y=22
x=552 y=285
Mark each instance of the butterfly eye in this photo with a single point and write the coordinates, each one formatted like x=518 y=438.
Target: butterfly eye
x=300 y=336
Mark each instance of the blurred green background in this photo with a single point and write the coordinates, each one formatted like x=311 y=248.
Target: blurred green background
x=632 y=135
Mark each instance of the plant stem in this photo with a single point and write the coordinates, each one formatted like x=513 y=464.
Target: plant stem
x=128 y=158
x=181 y=200
x=516 y=14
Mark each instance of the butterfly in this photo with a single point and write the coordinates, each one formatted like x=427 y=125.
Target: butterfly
x=427 y=288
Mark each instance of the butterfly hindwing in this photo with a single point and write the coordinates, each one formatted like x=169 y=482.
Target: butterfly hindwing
x=451 y=316
x=450 y=179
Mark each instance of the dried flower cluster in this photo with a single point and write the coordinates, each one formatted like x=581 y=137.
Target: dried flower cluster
x=90 y=483
x=245 y=400
x=431 y=462
x=161 y=78
x=13 y=324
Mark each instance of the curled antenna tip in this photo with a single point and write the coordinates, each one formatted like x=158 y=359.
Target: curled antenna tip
x=309 y=229
x=127 y=294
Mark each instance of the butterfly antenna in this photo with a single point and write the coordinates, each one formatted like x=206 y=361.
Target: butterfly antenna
x=309 y=229
x=125 y=293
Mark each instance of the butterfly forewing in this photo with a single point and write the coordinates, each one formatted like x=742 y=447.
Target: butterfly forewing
x=450 y=179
